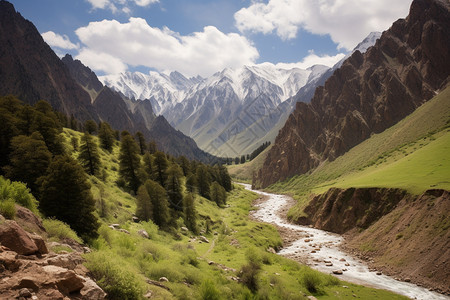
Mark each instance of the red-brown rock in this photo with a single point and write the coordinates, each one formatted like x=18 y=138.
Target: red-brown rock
x=16 y=239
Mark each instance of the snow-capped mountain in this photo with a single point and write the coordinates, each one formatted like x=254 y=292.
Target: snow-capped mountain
x=231 y=112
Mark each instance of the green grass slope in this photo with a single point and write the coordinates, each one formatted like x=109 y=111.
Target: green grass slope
x=129 y=266
x=244 y=172
x=386 y=158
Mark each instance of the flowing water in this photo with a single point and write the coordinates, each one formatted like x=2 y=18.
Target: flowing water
x=320 y=250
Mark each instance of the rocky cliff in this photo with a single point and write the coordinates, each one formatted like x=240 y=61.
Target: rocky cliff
x=367 y=94
x=30 y=269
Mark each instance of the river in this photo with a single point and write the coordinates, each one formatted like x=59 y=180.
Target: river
x=320 y=250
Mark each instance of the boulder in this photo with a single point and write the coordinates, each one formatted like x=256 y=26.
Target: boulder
x=8 y=259
x=69 y=261
x=163 y=279
x=204 y=239
x=27 y=216
x=39 y=242
x=143 y=233
x=16 y=239
x=91 y=290
x=337 y=272
x=135 y=219
x=66 y=280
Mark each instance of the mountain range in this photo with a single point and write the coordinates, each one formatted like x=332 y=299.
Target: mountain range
x=233 y=111
x=31 y=71
x=368 y=93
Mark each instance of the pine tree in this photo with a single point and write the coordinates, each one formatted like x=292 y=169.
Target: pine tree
x=203 y=181
x=141 y=142
x=89 y=156
x=129 y=162
x=106 y=136
x=152 y=147
x=144 y=210
x=190 y=213
x=160 y=165
x=65 y=194
x=148 y=166
x=174 y=187
x=218 y=194
x=29 y=159
x=224 y=178
x=184 y=164
x=160 y=204
x=191 y=183
x=90 y=126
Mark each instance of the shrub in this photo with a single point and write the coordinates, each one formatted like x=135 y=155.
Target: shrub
x=59 y=230
x=113 y=276
x=17 y=192
x=8 y=209
x=208 y=291
x=312 y=281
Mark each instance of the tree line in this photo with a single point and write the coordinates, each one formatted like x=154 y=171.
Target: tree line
x=166 y=187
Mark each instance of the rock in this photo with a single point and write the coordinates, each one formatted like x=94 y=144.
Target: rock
x=329 y=264
x=271 y=250
x=407 y=279
x=115 y=226
x=16 y=239
x=211 y=263
x=24 y=292
x=148 y=295
x=124 y=231
x=39 y=242
x=143 y=233
x=66 y=280
x=379 y=273
x=185 y=229
x=337 y=272
x=8 y=259
x=312 y=298
x=203 y=239
x=69 y=261
x=135 y=219
x=163 y=279
x=342 y=259
x=91 y=290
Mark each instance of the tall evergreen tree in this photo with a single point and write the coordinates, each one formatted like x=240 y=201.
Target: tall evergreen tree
x=160 y=165
x=191 y=183
x=29 y=159
x=152 y=147
x=129 y=162
x=144 y=209
x=160 y=204
x=89 y=156
x=141 y=142
x=224 y=178
x=148 y=166
x=184 y=164
x=174 y=187
x=106 y=136
x=65 y=194
x=190 y=213
x=218 y=194
x=90 y=126
x=203 y=181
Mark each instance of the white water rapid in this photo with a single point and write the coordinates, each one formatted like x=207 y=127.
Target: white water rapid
x=320 y=249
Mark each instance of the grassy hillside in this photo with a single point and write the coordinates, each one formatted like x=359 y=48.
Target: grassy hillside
x=244 y=172
x=413 y=154
x=129 y=265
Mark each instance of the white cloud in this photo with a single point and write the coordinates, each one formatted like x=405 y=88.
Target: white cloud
x=346 y=21
x=311 y=60
x=59 y=41
x=115 y=5
x=137 y=44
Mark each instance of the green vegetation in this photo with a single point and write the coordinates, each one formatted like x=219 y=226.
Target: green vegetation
x=413 y=155
x=244 y=172
x=220 y=245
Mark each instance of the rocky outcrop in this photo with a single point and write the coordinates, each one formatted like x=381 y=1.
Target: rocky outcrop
x=340 y=210
x=411 y=242
x=29 y=271
x=367 y=94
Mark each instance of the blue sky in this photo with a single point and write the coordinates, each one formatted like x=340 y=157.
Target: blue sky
x=205 y=36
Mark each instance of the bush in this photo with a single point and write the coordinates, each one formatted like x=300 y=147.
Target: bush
x=113 y=276
x=208 y=291
x=8 y=209
x=312 y=281
x=59 y=230
x=17 y=192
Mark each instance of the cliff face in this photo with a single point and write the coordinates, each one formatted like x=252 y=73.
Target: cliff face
x=367 y=94
x=30 y=70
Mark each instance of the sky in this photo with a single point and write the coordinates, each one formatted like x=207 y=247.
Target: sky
x=201 y=37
